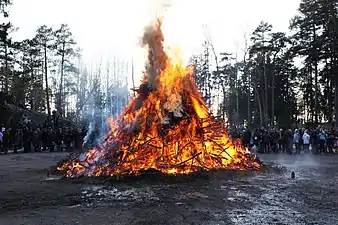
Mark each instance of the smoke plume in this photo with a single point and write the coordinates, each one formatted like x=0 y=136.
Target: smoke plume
x=157 y=58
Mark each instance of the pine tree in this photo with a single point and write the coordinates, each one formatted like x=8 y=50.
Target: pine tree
x=64 y=47
x=3 y=7
x=31 y=66
x=307 y=27
x=44 y=37
x=5 y=53
x=258 y=51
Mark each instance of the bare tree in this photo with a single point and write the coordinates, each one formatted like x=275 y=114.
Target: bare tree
x=248 y=75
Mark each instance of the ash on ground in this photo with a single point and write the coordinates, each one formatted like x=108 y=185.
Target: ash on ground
x=267 y=197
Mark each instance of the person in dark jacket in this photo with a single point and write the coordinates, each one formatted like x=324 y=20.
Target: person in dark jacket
x=14 y=139
x=330 y=141
x=5 y=141
x=68 y=139
x=285 y=141
x=246 y=138
x=314 y=141
x=266 y=142
x=289 y=141
x=51 y=139
x=59 y=139
x=27 y=140
x=36 y=138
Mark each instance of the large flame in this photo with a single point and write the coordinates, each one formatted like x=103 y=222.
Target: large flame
x=167 y=127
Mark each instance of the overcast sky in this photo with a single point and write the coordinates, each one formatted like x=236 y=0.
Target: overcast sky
x=107 y=28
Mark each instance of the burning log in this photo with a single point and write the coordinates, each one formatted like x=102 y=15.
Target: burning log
x=166 y=127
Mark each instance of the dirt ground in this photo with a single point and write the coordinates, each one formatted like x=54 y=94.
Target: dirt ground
x=28 y=197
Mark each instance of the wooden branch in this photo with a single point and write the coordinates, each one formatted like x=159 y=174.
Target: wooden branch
x=139 y=147
x=194 y=156
x=223 y=150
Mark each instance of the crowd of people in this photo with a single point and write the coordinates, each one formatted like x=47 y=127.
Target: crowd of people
x=290 y=141
x=53 y=135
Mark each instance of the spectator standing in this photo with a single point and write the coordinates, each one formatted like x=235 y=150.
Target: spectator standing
x=330 y=141
x=247 y=138
x=322 y=141
x=306 y=141
x=296 y=141
x=5 y=140
x=289 y=137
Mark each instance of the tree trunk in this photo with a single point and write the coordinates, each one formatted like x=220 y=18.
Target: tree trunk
x=310 y=97
x=46 y=80
x=248 y=90
x=262 y=101
x=273 y=100
x=216 y=62
x=224 y=102
x=32 y=93
x=315 y=61
x=66 y=110
x=336 y=100
x=316 y=92
x=259 y=106
x=266 y=116
x=60 y=107
x=6 y=67
x=273 y=92
x=208 y=90
x=237 y=94
x=330 y=95
x=249 y=96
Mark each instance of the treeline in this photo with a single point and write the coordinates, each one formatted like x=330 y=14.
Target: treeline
x=45 y=73
x=282 y=80
x=28 y=66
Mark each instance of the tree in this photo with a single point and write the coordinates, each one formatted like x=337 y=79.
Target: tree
x=329 y=37
x=31 y=66
x=203 y=73
x=306 y=27
x=64 y=47
x=44 y=37
x=82 y=93
x=316 y=38
x=222 y=79
x=3 y=6
x=260 y=38
x=5 y=54
x=278 y=44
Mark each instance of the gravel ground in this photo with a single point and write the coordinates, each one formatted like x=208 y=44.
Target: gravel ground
x=28 y=197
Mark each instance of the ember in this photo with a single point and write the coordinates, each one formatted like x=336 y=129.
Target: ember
x=167 y=127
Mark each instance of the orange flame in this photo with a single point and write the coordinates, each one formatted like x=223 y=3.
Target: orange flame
x=167 y=127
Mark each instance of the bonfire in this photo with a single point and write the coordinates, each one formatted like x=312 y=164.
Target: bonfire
x=166 y=127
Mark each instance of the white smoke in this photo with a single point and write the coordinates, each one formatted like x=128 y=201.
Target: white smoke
x=91 y=129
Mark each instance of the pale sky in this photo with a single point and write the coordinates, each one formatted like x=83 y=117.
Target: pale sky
x=107 y=28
